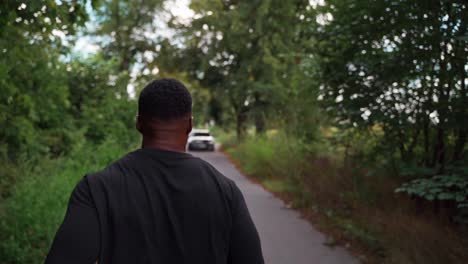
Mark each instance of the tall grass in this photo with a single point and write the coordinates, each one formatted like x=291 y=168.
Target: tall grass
x=350 y=203
x=271 y=155
x=31 y=215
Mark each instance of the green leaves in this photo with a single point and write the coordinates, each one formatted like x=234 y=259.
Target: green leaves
x=248 y=54
x=448 y=187
x=47 y=96
x=400 y=65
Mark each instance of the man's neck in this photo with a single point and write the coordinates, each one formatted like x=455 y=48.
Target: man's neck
x=175 y=145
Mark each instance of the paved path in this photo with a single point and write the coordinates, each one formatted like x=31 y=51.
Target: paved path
x=285 y=237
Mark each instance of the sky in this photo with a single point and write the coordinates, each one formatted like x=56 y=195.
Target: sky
x=180 y=9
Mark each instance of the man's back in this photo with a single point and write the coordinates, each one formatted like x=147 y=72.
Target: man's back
x=156 y=206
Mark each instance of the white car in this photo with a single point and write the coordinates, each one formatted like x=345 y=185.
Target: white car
x=201 y=139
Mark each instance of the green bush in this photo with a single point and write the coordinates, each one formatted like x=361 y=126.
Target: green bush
x=225 y=137
x=256 y=156
x=35 y=209
x=449 y=187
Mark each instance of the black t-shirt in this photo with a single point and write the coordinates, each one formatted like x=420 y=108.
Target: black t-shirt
x=156 y=206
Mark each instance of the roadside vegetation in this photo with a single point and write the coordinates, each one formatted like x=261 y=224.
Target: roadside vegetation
x=32 y=213
x=353 y=111
x=352 y=201
x=62 y=115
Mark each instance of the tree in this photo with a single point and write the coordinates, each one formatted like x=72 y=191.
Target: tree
x=32 y=86
x=401 y=65
x=127 y=30
x=95 y=103
x=244 y=53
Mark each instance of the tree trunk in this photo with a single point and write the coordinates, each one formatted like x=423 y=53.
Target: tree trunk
x=462 y=131
x=427 y=155
x=240 y=120
x=401 y=145
x=460 y=144
x=259 y=123
x=438 y=157
x=413 y=143
x=258 y=117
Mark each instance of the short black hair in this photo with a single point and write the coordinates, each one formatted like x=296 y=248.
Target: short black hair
x=164 y=99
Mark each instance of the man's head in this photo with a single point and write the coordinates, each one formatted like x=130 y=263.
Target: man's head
x=165 y=110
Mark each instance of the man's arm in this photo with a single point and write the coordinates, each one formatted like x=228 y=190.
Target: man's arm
x=245 y=245
x=77 y=240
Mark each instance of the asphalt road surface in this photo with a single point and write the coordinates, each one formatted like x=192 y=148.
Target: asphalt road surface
x=286 y=238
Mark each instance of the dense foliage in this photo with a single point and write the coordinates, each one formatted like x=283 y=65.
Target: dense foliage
x=440 y=187
x=31 y=216
x=400 y=65
x=32 y=78
x=62 y=114
x=397 y=65
x=377 y=88
x=395 y=71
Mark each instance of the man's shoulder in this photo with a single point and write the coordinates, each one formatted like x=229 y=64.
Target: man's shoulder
x=210 y=167
x=135 y=159
x=226 y=183
x=111 y=169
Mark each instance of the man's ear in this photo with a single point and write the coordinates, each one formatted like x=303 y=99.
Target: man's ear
x=190 y=125
x=138 y=124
